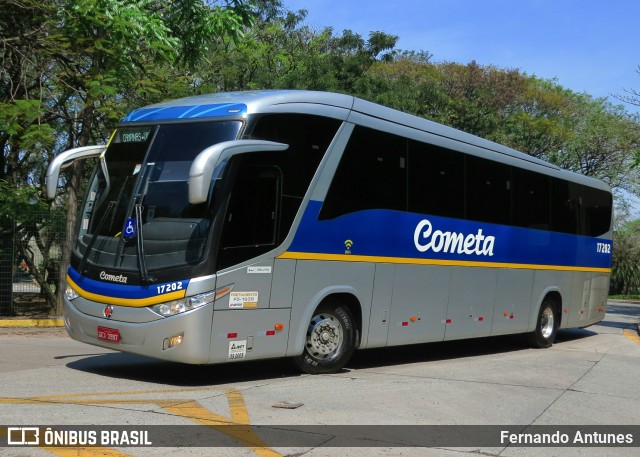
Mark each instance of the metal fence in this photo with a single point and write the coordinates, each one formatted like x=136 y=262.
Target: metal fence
x=30 y=264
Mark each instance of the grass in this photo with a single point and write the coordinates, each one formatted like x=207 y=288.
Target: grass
x=624 y=297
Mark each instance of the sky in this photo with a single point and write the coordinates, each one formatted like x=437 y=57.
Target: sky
x=590 y=46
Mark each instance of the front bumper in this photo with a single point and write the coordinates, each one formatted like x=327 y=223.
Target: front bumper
x=146 y=337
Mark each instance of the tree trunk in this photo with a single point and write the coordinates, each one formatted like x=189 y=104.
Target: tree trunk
x=37 y=272
x=7 y=268
x=73 y=188
x=87 y=118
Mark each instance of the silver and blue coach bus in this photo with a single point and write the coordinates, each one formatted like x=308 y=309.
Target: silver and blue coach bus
x=243 y=226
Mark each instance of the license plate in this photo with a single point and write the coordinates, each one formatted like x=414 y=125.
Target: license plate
x=109 y=334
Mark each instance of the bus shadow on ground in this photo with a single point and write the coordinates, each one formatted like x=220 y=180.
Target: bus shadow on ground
x=139 y=368
x=449 y=350
x=623 y=310
x=612 y=324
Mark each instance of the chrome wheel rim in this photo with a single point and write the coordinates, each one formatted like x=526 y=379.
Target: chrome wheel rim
x=547 y=323
x=324 y=336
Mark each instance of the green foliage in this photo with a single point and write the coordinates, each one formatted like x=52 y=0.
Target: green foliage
x=70 y=69
x=604 y=143
x=280 y=52
x=20 y=121
x=18 y=201
x=625 y=273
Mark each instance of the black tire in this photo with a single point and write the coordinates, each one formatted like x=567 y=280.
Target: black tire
x=330 y=340
x=546 y=326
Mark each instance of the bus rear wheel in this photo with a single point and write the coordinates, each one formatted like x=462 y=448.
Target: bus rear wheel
x=330 y=340
x=546 y=325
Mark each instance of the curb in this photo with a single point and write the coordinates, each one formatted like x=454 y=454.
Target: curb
x=42 y=323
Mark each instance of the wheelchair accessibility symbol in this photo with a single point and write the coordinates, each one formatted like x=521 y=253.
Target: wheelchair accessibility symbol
x=129 y=229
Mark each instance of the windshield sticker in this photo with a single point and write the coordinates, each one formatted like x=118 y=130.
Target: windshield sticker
x=258 y=270
x=137 y=168
x=243 y=300
x=129 y=229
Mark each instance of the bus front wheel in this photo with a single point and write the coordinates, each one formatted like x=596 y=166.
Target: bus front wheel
x=330 y=340
x=546 y=325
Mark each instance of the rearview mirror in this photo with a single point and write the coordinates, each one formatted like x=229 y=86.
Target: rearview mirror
x=65 y=159
x=205 y=163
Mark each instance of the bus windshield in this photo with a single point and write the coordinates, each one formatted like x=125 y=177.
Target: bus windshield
x=138 y=198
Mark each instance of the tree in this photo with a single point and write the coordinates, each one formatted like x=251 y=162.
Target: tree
x=36 y=232
x=538 y=117
x=604 y=143
x=280 y=52
x=625 y=273
x=632 y=96
x=71 y=68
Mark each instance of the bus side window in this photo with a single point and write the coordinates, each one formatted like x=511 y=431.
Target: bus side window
x=251 y=221
x=597 y=206
x=372 y=174
x=565 y=205
x=308 y=138
x=436 y=180
x=488 y=193
x=531 y=202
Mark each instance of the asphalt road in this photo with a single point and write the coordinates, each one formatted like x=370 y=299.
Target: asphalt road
x=590 y=377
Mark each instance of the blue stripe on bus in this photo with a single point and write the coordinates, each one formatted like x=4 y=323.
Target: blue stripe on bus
x=186 y=112
x=127 y=292
x=396 y=234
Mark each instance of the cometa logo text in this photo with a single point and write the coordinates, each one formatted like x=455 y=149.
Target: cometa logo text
x=425 y=239
x=114 y=278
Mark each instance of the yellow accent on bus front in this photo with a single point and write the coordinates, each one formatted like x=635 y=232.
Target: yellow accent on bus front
x=132 y=302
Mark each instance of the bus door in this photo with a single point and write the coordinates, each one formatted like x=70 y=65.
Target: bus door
x=244 y=326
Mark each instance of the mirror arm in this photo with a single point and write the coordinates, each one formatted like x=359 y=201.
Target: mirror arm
x=65 y=159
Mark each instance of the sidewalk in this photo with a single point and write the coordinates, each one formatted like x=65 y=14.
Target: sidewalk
x=9 y=322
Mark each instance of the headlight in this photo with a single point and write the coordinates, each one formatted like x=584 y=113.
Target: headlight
x=70 y=294
x=183 y=305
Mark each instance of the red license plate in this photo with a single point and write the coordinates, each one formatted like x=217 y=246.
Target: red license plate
x=109 y=334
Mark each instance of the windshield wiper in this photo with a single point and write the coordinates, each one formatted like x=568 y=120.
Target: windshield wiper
x=142 y=263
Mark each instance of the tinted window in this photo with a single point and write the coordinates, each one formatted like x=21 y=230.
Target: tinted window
x=531 y=206
x=596 y=205
x=174 y=148
x=488 y=191
x=372 y=174
x=250 y=224
x=436 y=180
x=384 y=171
x=565 y=206
x=308 y=138
x=268 y=187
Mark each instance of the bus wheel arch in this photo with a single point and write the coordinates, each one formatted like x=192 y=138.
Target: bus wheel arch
x=547 y=322
x=332 y=335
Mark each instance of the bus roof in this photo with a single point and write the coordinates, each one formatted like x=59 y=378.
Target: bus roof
x=234 y=104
